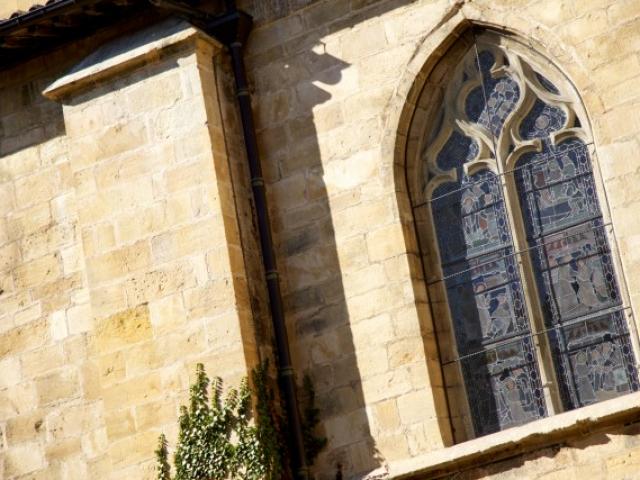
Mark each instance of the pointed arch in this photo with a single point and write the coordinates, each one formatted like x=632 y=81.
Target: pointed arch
x=529 y=321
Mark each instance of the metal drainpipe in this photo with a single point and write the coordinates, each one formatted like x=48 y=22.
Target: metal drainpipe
x=232 y=29
x=285 y=368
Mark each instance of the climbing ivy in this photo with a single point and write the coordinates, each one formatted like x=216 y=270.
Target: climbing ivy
x=217 y=439
x=269 y=425
x=162 y=459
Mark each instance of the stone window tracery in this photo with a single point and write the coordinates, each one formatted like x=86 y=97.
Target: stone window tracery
x=529 y=311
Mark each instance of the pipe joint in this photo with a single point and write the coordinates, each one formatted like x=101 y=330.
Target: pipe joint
x=272 y=275
x=257 y=182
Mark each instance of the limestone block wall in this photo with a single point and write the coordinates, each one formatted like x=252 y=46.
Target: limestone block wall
x=44 y=302
x=127 y=252
x=613 y=453
x=121 y=255
x=335 y=83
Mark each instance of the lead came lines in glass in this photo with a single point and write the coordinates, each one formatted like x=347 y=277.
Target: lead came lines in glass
x=570 y=255
x=512 y=254
x=506 y=172
x=545 y=331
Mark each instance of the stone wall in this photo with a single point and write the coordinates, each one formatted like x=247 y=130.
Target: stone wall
x=122 y=261
x=128 y=252
x=601 y=455
x=334 y=86
x=44 y=297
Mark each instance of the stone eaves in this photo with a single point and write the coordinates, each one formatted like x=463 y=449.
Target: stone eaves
x=43 y=27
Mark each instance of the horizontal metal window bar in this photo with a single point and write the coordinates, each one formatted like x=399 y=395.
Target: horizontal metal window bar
x=544 y=159
x=515 y=253
x=484 y=207
x=548 y=270
x=487 y=345
x=560 y=229
x=489 y=251
x=529 y=334
x=557 y=182
x=576 y=319
x=467 y=186
x=475 y=294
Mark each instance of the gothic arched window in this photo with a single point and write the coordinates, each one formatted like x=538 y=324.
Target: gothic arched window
x=530 y=315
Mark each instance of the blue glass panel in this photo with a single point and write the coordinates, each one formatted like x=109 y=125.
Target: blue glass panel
x=486 y=300
x=503 y=385
x=596 y=360
x=541 y=120
x=458 y=150
x=501 y=94
x=475 y=107
x=445 y=207
x=575 y=276
x=557 y=188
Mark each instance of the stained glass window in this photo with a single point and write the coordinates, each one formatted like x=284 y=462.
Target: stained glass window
x=504 y=130
x=582 y=306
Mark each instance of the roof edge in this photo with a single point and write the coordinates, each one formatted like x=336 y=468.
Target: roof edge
x=33 y=16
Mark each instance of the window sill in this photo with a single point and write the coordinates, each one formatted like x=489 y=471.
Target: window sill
x=517 y=440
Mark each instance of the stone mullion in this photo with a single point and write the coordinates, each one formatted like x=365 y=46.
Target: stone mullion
x=518 y=244
x=544 y=358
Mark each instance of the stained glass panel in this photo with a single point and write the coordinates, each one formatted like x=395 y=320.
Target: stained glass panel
x=475 y=107
x=503 y=384
x=565 y=236
x=557 y=187
x=542 y=120
x=486 y=301
x=500 y=91
x=575 y=276
x=457 y=147
x=469 y=217
x=576 y=272
x=595 y=359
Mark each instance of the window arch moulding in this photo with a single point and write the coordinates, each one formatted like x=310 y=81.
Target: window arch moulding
x=528 y=301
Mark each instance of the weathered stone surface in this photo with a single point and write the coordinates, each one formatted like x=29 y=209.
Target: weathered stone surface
x=123 y=329
x=128 y=251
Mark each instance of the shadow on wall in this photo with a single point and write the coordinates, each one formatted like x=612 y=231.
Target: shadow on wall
x=289 y=80
x=26 y=117
x=591 y=454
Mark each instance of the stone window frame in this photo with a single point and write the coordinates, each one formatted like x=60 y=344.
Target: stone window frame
x=426 y=100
